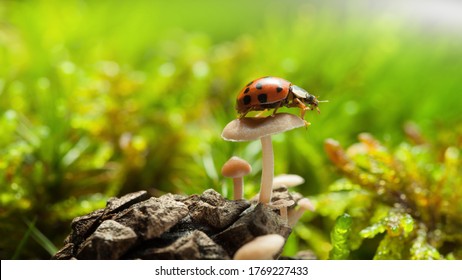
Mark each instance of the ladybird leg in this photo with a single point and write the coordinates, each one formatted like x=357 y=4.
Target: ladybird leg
x=303 y=108
x=242 y=115
x=276 y=109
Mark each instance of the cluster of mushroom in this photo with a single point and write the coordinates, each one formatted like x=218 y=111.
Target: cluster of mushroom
x=250 y=129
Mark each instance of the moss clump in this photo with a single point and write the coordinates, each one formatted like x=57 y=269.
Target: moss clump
x=408 y=198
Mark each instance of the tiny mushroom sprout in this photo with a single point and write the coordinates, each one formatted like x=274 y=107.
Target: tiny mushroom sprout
x=236 y=168
x=282 y=205
x=265 y=247
x=249 y=129
x=303 y=204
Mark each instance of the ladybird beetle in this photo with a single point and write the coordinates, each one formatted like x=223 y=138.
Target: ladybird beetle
x=272 y=92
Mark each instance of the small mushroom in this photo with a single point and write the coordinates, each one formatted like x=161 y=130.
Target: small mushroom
x=282 y=205
x=303 y=204
x=265 y=247
x=288 y=180
x=236 y=168
x=249 y=129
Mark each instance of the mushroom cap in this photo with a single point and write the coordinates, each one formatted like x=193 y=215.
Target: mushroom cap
x=249 y=129
x=278 y=204
x=288 y=180
x=236 y=167
x=305 y=204
x=263 y=247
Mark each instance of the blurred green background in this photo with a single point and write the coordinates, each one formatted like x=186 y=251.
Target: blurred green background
x=102 y=98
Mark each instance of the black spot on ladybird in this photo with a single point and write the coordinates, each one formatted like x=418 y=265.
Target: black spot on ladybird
x=279 y=89
x=259 y=86
x=262 y=98
x=246 y=90
x=247 y=99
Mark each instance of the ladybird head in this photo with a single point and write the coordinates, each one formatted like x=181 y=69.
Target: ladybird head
x=311 y=100
x=304 y=96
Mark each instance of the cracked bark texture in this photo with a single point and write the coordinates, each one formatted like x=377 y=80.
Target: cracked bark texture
x=138 y=226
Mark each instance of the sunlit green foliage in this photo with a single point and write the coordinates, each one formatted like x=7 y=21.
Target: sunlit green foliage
x=414 y=192
x=100 y=98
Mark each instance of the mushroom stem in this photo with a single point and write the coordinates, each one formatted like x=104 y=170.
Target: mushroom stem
x=267 y=172
x=238 y=188
x=236 y=168
x=295 y=215
x=283 y=212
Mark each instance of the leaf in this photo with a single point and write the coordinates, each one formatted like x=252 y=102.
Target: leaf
x=75 y=152
x=23 y=242
x=41 y=239
x=340 y=238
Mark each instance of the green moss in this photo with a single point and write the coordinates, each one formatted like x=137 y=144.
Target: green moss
x=340 y=238
x=408 y=187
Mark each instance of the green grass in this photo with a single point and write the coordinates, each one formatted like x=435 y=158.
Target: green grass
x=100 y=98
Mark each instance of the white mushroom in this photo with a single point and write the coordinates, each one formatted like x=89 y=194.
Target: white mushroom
x=236 y=168
x=265 y=247
x=248 y=129
x=303 y=204
x=288 y=180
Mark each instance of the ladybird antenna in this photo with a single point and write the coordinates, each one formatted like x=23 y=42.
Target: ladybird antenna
x=321 y=101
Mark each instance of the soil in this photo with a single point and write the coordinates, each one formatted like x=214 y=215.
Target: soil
x=206 y=226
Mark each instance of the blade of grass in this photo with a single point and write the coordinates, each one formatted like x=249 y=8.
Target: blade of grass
x=41 y=239
x=23 y=242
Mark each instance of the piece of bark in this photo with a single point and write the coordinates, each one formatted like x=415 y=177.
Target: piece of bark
x=65 y=253
x=110 y=241
x=211 y=209
x=205 y=226
x=192 y=246
x=84 y=226
x=151 y=218
x=261 y=220
x=115 y=204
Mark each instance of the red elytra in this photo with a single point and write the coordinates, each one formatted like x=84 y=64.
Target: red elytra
x=273 y=92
